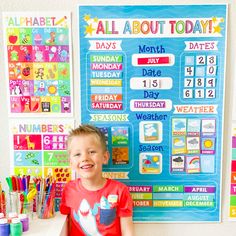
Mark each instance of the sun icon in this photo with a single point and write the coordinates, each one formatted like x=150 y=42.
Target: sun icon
x=155 y=159
x=52 y=89
x=208 y=143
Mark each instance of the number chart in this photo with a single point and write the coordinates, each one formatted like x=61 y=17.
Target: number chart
x=152 y=79
x=38 y=149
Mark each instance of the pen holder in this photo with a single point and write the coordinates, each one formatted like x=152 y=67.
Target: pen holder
x=3 y=208
x=45 y=205
x=19 y=204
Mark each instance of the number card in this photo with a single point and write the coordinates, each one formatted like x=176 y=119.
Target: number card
x=152 y=79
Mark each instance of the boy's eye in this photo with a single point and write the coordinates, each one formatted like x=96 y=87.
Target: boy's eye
x=92 y=152
x=77 y=155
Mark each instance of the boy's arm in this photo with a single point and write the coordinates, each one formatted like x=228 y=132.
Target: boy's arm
x=127 y=226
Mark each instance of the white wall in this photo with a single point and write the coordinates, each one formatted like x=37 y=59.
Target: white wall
x=225 y=228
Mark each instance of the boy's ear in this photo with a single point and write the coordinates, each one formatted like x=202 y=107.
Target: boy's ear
x=106 y=157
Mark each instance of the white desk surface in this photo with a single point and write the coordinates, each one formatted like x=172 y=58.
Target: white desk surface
x=56 y=226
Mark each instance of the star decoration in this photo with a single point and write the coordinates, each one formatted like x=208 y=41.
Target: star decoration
x=214 y=19
x=217 y=29
x=222 y=20
x=95 y=19
x=89 y=29
x=86 y=17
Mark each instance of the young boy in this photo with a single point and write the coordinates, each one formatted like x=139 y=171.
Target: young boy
x=97 y=206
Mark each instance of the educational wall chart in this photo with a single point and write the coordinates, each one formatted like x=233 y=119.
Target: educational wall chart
x=152 y=79
x=232 y=205
x=38 y=149
x=38 y=65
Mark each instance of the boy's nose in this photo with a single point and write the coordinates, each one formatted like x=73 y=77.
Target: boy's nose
x=85 y=157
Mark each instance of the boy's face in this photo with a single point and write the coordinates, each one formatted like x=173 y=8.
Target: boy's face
x=87 y=156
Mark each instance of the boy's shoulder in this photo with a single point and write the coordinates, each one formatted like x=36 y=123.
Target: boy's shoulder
x=71 y=183
x=117 y=183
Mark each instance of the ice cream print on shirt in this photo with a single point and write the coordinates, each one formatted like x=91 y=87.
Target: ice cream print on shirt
x=87 y=217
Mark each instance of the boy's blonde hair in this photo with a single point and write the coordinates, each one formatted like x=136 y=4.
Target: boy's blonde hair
x=86 y=129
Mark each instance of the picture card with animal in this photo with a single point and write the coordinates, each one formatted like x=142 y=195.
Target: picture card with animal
x=207 y=163
x=192 y=164
x=66 y=104
x=208 y=127
x=27 y=142
x=208 y=145
x=193 y=144
x=179 y=126
x=15 y=104
x=120 y=155
x=120 y=135
x=150 y=163
x=150 y=132
x=177 y=163
x=179 y=145
x=193 y=127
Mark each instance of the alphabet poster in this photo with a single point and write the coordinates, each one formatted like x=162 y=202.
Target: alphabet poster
x=152 y=79
x=38 y=63
x=38 y=149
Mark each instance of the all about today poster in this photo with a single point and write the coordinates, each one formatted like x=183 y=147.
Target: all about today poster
x=152 y=79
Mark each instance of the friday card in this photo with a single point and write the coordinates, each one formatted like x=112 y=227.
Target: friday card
x=39 y=63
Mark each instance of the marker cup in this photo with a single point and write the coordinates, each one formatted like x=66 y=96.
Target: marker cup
x=46 y=205
x=19 y=204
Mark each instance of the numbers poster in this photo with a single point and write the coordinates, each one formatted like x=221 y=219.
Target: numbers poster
x=38 y=65
x=38 y=149
x=152 y=79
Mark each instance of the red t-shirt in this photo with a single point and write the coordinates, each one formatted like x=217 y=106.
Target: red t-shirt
x=96 y=212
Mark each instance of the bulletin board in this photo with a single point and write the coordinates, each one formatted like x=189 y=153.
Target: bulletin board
x=152 y=79
x=38 y=63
